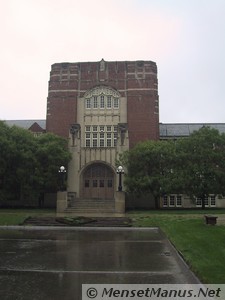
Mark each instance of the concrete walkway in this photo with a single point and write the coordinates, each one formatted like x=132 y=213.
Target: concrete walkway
x=52 y=263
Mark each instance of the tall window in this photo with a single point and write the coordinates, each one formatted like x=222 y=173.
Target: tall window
x=108 y=102
x=116 y=103
x=102 y=102
x=101 y=136
x=115 y=135
x=95 y=102
x=206 y=201
x=212 y=200
x=88 y=103
x=172 y=200
x=165 y=200
x=87 y=139
x=179 y=200
x=198 y=202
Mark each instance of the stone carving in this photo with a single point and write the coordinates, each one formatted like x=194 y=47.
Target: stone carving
x=102 y=65
x=74 y=130
x=122 y=128
x=102 y=90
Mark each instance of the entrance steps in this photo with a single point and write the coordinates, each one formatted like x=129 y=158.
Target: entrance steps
x=91 y=206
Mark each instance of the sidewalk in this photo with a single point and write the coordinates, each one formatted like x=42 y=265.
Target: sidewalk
x=42 y=263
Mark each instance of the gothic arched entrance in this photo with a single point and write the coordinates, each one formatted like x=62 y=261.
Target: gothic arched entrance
x=98 y=182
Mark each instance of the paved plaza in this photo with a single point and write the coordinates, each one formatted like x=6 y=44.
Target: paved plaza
x=53 y=263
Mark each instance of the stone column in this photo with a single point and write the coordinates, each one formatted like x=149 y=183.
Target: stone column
x=61 y=201
x=120 y=203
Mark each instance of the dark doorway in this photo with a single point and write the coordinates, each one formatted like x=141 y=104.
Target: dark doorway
x=98 y=182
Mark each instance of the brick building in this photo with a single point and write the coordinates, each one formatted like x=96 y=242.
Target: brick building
x=167 y=132
x=104 y=108
x=133 y=82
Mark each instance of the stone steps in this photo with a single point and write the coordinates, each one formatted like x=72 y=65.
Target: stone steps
x=92 y=205
x=89 y=210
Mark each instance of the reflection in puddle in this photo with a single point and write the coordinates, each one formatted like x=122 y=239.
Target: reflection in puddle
x=53 y=264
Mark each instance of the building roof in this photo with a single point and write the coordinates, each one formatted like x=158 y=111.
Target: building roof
x=166 y=130
x=176 y=130
x=26 y=124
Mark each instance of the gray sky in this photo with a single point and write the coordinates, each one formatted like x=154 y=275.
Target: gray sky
x=186 y=38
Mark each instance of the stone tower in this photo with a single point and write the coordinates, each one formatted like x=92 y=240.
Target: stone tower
x=104 y=108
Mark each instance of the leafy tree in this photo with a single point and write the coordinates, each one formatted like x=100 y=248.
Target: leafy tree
x=150 y=168
x=29 y=165
x=17 y=147
x=22 y=161
x=202 y=167
x=5 y=153
x=194 y=166
x=51 y=154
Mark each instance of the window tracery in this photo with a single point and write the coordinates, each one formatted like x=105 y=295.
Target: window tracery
x=102 y=97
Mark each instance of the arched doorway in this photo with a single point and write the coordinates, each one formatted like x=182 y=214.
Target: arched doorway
x=98 y=182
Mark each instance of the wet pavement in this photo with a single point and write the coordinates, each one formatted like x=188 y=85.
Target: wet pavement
x=53 y=263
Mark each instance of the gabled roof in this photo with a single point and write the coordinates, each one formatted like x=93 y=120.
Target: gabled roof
x=35 y=127
x=26 y=124
x=176 y=130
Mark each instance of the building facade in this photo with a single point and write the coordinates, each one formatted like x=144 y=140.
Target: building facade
x=167 y=132
x=104 y=108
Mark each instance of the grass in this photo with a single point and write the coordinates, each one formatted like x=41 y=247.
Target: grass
x=17 y=216
x=202 y=246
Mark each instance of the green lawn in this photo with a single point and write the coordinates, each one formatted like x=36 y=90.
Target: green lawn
x=202 y=246
x=17 y=216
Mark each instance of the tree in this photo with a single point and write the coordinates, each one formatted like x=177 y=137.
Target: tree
x=52 y=152
x=17 y=148
x=202 y=167
x=5 y=157
x=29 y=165
x=150 y=168
x=194 y=166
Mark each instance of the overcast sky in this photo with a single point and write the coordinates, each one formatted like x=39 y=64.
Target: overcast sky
x=186 y=38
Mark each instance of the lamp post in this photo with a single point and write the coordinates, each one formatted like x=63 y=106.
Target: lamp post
x=62 y=171
x=120 y=171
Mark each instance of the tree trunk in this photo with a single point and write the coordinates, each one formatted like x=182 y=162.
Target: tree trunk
x=156 y=202
x=203 y=201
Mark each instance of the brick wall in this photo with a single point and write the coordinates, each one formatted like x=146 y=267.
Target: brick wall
x=136 y=80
